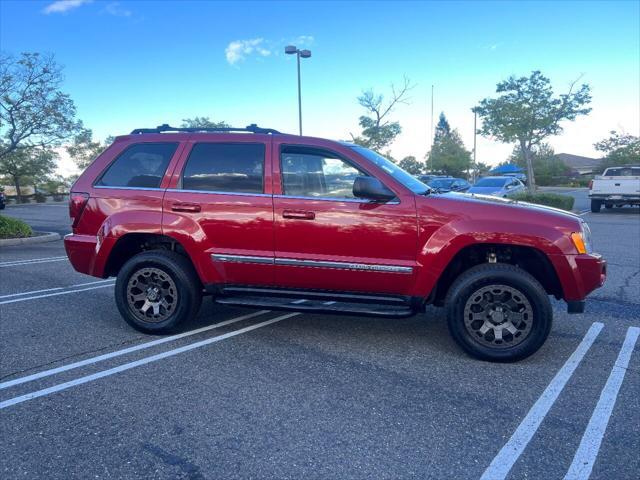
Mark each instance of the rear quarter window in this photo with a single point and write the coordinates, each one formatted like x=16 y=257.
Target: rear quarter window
x=142 y=165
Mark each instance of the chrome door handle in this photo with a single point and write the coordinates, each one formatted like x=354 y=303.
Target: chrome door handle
x=299 y=214
x=185 y=207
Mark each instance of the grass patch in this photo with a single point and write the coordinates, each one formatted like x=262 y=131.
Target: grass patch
x=565 y=202
x=13 y=228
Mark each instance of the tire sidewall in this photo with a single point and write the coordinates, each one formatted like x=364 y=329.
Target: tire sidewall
x=528 y=286
x=170 y=267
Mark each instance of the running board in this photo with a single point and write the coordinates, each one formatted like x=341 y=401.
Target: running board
x=314 y=305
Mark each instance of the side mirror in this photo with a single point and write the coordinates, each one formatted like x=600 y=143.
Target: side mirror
x=372 y=189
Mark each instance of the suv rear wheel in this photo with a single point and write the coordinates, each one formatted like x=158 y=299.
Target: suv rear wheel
x=157 y=290
x=596 y=205
x=498 y=312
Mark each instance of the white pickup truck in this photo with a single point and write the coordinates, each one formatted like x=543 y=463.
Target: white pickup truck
x=617 y=186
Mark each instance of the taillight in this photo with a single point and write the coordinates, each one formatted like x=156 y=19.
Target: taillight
x=77 y=202
x=590 y=184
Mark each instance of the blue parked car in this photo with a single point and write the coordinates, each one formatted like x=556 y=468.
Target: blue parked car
x=497 y=186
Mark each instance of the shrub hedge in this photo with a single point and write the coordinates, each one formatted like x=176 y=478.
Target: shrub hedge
x=13 y=228
x=565 y=202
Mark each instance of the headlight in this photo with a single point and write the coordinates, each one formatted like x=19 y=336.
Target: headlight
x=582 y=239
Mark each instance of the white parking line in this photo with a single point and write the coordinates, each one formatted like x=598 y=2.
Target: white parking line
x=66 y=292
x=34 y=261
x=118 y=353
x=509 y=454
x=31 y=292
x=137 y=363
x=587 y=452
x=584 y=212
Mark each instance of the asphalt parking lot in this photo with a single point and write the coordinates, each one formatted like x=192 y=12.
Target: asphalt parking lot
x=258 y=394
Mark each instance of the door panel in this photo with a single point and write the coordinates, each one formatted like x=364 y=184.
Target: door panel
x=345 y=243
x=231 y=232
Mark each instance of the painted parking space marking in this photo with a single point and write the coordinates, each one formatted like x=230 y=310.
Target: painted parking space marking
x=587 y=452
x=33 y=292
x=140 y=362
x=54 y=294
x=509 y=454
x=125 y=351
x=33 y=261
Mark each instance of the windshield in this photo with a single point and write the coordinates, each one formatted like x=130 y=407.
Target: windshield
x=491 y=182
x=408 y=180
x=441 y=183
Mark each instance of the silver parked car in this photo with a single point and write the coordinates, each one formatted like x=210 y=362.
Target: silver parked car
x=497 y=186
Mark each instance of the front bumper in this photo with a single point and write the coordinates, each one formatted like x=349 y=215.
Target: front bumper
x=579 y=275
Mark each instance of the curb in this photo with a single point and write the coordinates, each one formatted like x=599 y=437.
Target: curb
x=44 y=237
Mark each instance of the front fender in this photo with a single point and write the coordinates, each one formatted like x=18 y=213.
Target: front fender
x=438 y=249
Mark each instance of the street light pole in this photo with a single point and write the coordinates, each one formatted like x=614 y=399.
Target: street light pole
x=290 y=50
x=299 y=95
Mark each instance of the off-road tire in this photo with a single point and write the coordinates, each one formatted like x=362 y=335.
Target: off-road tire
x=184 y=290
x=511 y=278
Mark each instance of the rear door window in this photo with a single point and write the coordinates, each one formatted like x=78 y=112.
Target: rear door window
x=225 y=168
x=142 y=165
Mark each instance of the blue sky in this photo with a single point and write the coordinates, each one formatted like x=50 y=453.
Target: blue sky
x=134 y=64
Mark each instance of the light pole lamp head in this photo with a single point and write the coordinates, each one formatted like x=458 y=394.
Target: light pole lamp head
x=290 y=49
x=305 y=53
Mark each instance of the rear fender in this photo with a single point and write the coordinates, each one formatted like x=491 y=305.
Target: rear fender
x=117 y=225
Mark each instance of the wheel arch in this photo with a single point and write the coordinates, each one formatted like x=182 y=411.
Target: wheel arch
x=530 y=259
x=130 y=244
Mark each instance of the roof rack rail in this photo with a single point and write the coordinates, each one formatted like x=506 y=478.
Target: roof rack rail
x=253 y=128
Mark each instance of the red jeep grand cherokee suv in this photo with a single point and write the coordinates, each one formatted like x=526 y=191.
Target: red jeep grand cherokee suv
x=262 y=219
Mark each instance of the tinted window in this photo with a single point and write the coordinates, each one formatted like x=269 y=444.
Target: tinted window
x=142 y=165
x=225 y=167
x=622 y=172
x=441 y=183
x=490 y=182
x=310 y=172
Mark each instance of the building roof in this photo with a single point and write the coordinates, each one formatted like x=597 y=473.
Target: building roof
x=577 y=161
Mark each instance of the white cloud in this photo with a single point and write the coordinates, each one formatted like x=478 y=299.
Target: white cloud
x=303 y=41
x=63 y=6
x=238 y=50
x=117 y=10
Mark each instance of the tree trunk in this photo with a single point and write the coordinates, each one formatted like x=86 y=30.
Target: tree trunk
x=531 y=181
x=16 y=182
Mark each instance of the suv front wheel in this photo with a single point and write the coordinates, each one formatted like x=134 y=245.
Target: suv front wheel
x=498 y=312
x=157 y=290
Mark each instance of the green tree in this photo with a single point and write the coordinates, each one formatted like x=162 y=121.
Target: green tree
x=480 y=169
x=443 y=129
x=34 y=112
x=619 y=149
x=527 y=112
x=411 y=165
x=378 y=131
x=202 y=122
x=448 y=154
x=546 y=166
x=28 y=165
x=85 y=149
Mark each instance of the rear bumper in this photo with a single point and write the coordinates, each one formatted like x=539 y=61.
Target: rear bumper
x=579 y=275
x=82 y=251
x=616 y=198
